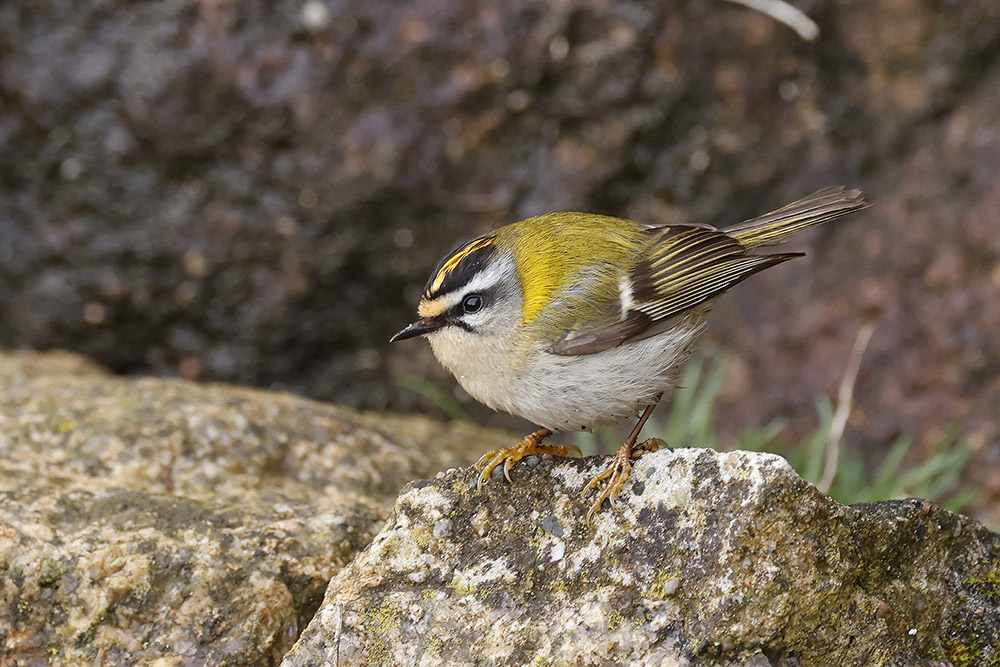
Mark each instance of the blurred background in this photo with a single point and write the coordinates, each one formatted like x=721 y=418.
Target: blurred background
x=255 y=192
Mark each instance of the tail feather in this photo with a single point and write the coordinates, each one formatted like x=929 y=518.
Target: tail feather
x=817 y=208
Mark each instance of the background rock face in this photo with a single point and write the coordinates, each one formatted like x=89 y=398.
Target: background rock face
x=159 y=519
x=255 y=191
x=708 y=559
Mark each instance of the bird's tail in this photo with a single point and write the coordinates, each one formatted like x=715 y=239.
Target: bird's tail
x=817 y=208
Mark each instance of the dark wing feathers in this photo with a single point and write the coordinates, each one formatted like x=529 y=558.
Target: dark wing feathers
x=684 y=270
x=675 y=263
x=683 y=267
x=671 y=294
x=598 y=340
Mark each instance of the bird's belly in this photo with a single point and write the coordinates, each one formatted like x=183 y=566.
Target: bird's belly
x=580 y=391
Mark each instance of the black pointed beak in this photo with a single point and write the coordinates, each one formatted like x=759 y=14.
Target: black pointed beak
x=424 y=325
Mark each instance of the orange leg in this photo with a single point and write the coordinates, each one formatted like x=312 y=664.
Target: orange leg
x=618 y=472
x=508 y=456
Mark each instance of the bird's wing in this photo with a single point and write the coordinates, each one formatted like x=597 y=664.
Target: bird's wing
x=682 y=267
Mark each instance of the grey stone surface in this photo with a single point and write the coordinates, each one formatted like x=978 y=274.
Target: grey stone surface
x=162 y=522
x=708 y=559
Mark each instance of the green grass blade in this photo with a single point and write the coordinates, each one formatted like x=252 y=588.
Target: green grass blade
x=434 y=394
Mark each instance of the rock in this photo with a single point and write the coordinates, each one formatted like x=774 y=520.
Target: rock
x=151 y=519
x=707 y=559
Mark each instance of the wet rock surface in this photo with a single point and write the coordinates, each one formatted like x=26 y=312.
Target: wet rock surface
x=256 y=191
x=707 y=559
x=146 y=520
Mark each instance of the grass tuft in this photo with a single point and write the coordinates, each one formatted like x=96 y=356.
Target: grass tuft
x=690 y=422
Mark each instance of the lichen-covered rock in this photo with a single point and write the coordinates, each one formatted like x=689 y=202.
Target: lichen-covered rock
x=707 y=559
x=149 y=521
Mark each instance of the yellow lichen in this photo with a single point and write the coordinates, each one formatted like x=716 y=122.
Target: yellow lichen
x=460 y=487
x=388 y=617
x=432 y=644
x=422 y=536
x=659 y=588
x=526 y=582
x=462 y=588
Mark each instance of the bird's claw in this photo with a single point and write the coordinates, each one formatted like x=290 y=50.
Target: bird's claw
x=617 y=473
x=508 y=456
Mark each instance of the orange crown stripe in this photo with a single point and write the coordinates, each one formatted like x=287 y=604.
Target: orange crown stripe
x=455 y=259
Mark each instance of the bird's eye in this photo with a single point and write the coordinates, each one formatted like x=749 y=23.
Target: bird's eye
x=472 y=303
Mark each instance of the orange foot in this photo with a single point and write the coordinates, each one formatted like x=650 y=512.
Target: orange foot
x=617 y=473
x=508 y=456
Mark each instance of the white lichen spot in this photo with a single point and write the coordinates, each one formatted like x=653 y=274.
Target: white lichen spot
x=480 y=522
x=573 y=478
x=441 y=528
x=429 y=501
x=592 y=614
x=591 y=553
x=489 y=572
x=558 y=551
x=622 y=575
x=667 y=478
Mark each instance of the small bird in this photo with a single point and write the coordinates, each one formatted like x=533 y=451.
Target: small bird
x=571 y=320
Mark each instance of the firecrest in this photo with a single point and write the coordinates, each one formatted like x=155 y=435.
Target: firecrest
x=572 y=320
